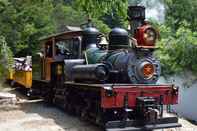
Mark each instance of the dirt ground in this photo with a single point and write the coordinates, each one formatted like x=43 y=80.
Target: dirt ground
x=39 y=117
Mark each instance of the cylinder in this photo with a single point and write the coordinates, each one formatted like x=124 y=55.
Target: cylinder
x=91 y=72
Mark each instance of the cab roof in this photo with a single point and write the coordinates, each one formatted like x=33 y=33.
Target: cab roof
x=61 y=36
x=69 y=32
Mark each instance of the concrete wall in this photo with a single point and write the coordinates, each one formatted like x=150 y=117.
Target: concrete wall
x=187 y=82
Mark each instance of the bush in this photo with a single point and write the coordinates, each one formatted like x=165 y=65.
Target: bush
x=6 y=57
x=177 y=50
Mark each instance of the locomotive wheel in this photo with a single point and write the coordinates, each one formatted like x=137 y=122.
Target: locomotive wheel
x=83 y=115
x=99 y=120
x=29 y=93
x=48 y=96
x=70 y=109
x=78 y=110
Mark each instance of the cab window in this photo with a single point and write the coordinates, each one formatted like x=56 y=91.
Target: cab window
x=69 y=47
x=48 y=50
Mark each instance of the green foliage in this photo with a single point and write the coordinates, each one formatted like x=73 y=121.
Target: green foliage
x=97 y=10
x=181 y=10
x=101 y=26
x=177 y=51
x=6 y=57
x=178 y=45
x=65 y=15
x=22 y=22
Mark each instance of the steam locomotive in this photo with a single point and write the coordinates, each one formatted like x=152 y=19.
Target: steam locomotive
x=111 y=85
x=116 y=87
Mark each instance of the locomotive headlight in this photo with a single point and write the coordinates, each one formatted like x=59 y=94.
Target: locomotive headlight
x=146 y=36
x=150 y=36
x=147 y=70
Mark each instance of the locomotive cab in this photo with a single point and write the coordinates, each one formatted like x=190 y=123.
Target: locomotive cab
x=58 y=47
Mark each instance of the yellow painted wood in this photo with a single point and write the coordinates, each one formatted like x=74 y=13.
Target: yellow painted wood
x=10 y=74
x=23 y=78
x=47 y=68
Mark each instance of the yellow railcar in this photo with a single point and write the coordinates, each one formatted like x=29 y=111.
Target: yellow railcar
x=10 y=75
x=23 y=78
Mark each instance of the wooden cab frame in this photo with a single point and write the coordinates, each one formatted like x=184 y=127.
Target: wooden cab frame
x=70 y=40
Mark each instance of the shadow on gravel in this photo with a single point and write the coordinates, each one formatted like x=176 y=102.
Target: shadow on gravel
x=64 y=120
x=192 y=121
x=52 y=113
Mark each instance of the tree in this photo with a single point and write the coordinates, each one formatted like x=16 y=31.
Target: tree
x=6 y=57
x=178 y=44
x=99 y=10
x=23 y=22
x=64 y=15
x=177 y=51
x=181 y=10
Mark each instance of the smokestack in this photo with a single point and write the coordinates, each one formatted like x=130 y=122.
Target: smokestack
x=136 y=16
